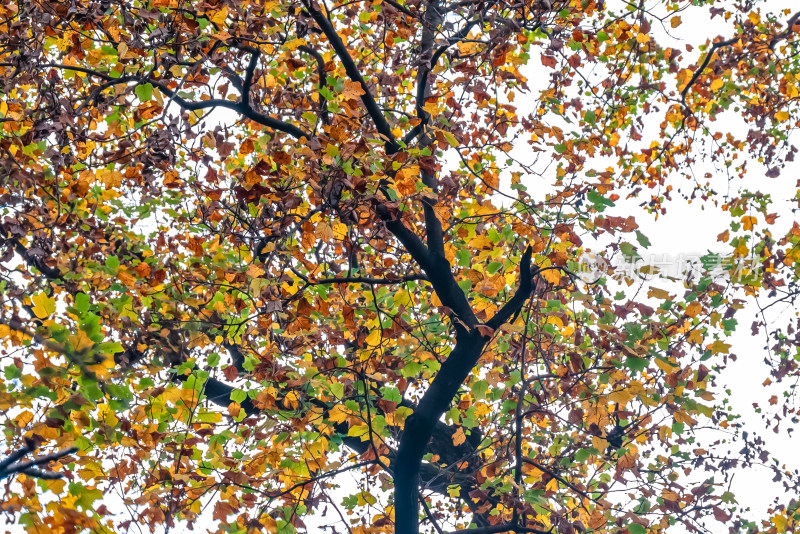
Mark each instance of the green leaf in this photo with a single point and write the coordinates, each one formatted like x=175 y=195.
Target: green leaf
x=494 y=267
x=637 y=364
x=112 y=262
x=636 y=528
x=642 y=239
x=590 y=117
x=144 y=92
x=110 y=347
x=599 y=202
x=82 y=303
x=238 y=395
x=629 y=251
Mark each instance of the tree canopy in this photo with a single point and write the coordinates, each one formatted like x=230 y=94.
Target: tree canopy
x=314 y=265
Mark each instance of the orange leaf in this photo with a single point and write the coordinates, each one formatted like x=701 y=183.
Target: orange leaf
x=352 y=90
x=459 y=437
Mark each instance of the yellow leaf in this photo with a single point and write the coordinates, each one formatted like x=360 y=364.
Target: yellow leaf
x=356 y=431
x=642 y=38
x=451 y=139
x=292 y=400
x=675 y=21
x=126 y=278
x=665 y=366
x=254 y=271
x=109 y=178
x=682 y=417
x=599 y=443
x=718 y=346
x=696 y=337
x=432 y=108
x=80 y=341
x=555 y=321
x=781 y=522
x=43 y=305
x=552 y=275
x=748 y=221
x=122 y=50
x=782 y=116
x=294 y=44
x=406 y=180
x=219 y=17
x=657 y=293
x=374 y=337
x=669 y=495
x=24 y=418
x=621 y=396
x=717 y=84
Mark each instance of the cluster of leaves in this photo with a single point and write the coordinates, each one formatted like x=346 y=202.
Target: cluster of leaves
x=297 y=259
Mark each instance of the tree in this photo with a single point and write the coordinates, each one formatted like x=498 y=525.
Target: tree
x=291 y=259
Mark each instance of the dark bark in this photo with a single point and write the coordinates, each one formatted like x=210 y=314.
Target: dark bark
x=420 y=424
x=11 y=465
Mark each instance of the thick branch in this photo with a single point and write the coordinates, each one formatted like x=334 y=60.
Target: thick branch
x=32 y=260
x=255 y=54
x=368 y=280
x=419 y=426
x=9 y=466
x=354 y=74
x=436 y=401
x=428 y=65
x=433 y=227
x=437 y=268
x=239 y=107
x=513 y=306
x=323 y=80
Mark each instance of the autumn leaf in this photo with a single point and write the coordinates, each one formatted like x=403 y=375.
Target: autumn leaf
x=459 y=437
x=43 y=306
x=352 y=90
x=694 y=309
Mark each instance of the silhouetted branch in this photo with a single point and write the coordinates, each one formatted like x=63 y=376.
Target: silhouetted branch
x=11 y=465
